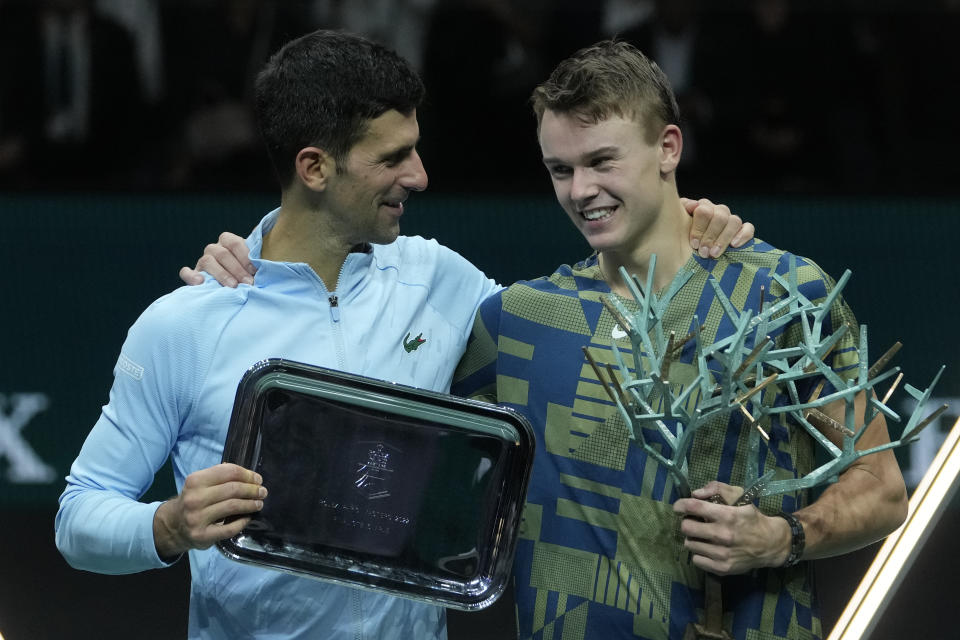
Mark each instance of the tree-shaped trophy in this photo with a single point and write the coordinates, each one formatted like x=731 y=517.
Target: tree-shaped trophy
x=737 y=374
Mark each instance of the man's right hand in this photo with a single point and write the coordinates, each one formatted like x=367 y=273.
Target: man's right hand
x=228 y=262
x=216 y=503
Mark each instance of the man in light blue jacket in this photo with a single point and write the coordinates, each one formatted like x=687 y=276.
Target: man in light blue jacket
x=336 y=287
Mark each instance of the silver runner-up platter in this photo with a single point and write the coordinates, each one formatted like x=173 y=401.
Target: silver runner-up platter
x=379 y=485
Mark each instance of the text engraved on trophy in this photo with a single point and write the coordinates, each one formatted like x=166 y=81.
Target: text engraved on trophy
x=373 y=475
x=356 y=517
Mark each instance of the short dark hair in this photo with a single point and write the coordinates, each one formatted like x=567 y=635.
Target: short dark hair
x=322 y=88
x=610 y=78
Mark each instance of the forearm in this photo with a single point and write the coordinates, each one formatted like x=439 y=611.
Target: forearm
x=102 y=531
x=868 y=501
x=866 y=504
x=101 y=525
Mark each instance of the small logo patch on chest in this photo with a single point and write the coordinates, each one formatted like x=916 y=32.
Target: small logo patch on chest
x=414 y=344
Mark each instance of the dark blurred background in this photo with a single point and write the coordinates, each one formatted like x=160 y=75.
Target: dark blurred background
x=126 y=144
x=778 y=96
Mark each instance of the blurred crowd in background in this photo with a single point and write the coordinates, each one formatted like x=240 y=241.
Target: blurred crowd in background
x=777 y=96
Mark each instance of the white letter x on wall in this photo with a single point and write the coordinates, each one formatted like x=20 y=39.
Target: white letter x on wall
x=26 y=467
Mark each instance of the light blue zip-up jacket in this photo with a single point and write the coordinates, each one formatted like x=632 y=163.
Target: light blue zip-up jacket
x=173 y=392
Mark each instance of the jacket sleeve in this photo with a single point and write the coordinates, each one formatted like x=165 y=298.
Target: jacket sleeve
x=476 y=374
x=460 y=283
x=101 y=526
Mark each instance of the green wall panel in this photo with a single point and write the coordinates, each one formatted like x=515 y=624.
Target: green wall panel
x=78 y=269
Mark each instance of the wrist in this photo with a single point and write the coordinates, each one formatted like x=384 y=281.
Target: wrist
x=797 y=540
x=165 y=534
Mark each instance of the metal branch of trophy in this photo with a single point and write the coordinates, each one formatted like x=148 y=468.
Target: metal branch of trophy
x=748 y=365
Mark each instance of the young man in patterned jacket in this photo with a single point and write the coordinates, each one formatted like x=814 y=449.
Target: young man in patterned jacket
x=606 y=549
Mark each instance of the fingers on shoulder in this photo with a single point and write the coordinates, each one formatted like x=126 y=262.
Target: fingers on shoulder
x=190 y=276
x=746 y=233
x=230 y=240
x=712 y=228
x=224 y=266
x=727 y=234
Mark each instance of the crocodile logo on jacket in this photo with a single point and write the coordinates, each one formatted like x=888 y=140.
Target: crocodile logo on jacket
x=412 y=345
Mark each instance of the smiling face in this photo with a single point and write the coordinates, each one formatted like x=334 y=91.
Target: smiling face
x=365 y=197
x=608 y=178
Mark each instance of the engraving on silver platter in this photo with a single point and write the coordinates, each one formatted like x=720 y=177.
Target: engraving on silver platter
x=354 y=516
x=372 y=479
x=373 y=476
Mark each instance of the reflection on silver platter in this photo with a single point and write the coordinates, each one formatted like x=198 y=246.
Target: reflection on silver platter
x=378 y=485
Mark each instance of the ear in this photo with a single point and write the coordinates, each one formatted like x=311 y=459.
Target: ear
x=671 y=146
x=315 y=167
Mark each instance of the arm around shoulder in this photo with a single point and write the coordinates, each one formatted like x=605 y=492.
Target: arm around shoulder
x=476 y=373
x=458 y=285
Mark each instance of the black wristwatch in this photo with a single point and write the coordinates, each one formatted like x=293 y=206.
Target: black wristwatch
x=797 y=539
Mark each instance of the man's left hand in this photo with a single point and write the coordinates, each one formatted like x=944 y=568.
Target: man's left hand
x=727 y=540
x=714 y=228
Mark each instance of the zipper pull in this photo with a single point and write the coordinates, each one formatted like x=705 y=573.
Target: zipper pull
x=334 y=308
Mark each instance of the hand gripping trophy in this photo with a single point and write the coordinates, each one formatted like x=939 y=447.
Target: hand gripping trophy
x=767 y=381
